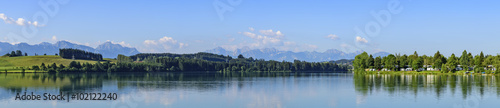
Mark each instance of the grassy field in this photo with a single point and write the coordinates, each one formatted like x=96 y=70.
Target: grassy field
x=14 y=64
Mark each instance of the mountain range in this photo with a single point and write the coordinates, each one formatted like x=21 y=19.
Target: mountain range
x=107 y=49
x=110 y=50
x=274 y=54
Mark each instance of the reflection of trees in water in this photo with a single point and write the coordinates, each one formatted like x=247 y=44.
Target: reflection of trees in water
x=368 y=83
x=203 y=81
x=20 y=82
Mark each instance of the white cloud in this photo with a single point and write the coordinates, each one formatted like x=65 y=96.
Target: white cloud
x=231 y=39
x=150 y=42
x=19 y=21
x=333 y=37
x=262 y=40
x=293 y=46
x=361 y=40
x=76 y=42
x=167 y=39
x=251 y=29
x=267 y=39
x=270 y=32
x=122 y=43
x=251 y=35
x=163 y=44
x=54 y=38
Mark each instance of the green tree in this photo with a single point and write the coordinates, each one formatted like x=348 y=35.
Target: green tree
x=12 y=54
x=370 y=62
x=19 y=53
x=464 y=60
x=390 y=62
x=54 y=66
x=479 y=65
x=444 y=69
x=452 y=63
x=403 y=61
x=378 y=63
x=61 y=66
x=417 y=63
x=43 y=67
x=36 y=68
x=438 y=61
x=359 y=62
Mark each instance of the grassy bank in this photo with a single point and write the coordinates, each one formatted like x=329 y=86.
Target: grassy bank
x=16 y=64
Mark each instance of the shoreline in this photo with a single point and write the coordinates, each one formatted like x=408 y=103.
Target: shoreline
x=423 y=72
x=200 y=71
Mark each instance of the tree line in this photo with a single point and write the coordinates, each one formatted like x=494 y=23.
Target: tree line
x=69 y=53
x=154 y=63
x=394 y=62
x=16 y=53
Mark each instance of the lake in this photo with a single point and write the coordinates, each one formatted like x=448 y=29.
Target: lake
x=255 y=90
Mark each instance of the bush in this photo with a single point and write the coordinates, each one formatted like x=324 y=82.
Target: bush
x=444 y=70
x=51 y=70
x=488 y=71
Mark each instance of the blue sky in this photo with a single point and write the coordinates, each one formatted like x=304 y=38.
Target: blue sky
x=181 y=26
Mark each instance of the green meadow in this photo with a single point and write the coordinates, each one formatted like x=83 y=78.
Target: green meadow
x=15 y=64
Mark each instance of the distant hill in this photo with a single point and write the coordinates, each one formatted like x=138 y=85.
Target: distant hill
x=107 y=49
x=343 y=61
x=274 y=54
x=200 y=55
x=110 y=50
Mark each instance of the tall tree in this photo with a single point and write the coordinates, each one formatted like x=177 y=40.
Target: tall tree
x=471 y=59
x=390 y=62
x=359 y=61
x=403 y=61
x=417 y=63
x=464 y=60
x=452 y=63
x=479 y=65
x=378 y=62
x=370 y=63
x=438 y=60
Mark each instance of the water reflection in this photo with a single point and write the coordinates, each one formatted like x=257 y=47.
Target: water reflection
x=438 y=84
x=195 y=81
x=229 y=90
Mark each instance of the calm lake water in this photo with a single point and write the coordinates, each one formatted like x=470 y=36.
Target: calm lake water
x=256 y=90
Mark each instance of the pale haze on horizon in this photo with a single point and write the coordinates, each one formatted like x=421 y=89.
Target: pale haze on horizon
x=394 y=26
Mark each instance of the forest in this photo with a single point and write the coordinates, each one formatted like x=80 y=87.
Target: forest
x=69 y=53
x=438 y=62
